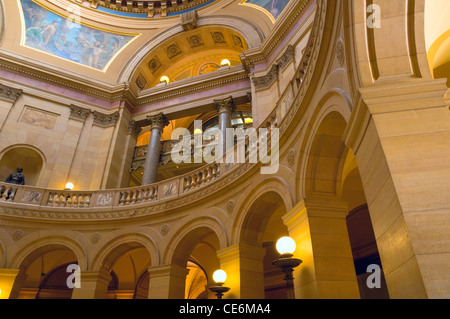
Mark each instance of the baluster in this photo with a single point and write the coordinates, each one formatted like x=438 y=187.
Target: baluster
x=11 y=194
x=217 y=166
x=88 y=200
x=155 y=193
x=141 y=195
x=122 y=199
x=81 y=200
x=128 y=198
x=134 y=198
x=194 y=181
x=68 y=200
x=50 y=199
x=208 y=174
x=187 y=185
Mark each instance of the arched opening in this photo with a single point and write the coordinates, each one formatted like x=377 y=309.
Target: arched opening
x=27 y=158
x=128 y=266
x=46 y=276
x=197 y=252
x=339 y=222
x=262 y=227
x=359 y=225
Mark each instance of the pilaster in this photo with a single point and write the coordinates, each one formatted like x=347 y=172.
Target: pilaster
x=243 y=264
x=320 y=231
x=167 y=282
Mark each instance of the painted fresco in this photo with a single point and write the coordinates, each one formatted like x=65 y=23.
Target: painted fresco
x=66 y=39
x=274 y=7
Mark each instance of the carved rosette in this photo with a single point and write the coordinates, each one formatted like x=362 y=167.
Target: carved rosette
x=159 y=121
x=9 y=93
x=105 y=120
x=226 y=105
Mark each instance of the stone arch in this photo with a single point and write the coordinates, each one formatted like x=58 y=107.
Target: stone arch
x=32 y=246
x=113 y=249
x=31 y=159
x=185 y=239
x=247 y=228
x=324 y=142
x=251 y=33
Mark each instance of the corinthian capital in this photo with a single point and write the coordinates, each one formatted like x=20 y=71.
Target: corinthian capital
x=158 y=121
x=225 y=105
x=9 y=93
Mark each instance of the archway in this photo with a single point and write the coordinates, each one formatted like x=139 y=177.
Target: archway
x=262 y=227
x=45 y=274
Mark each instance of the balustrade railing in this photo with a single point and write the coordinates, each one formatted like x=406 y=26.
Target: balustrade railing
x=166 y=190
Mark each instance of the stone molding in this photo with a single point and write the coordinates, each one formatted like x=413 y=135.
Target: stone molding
x=287 y=57
x=106 y=120
x=265 y=81
x=9 y=93
x=79 y=113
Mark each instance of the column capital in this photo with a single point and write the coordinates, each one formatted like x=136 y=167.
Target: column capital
x=225 y=105
x=9 y=93
x=134 y=128
x=158 y=121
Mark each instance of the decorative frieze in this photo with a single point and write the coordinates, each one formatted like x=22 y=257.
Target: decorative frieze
x=287 y=57
x=106 y=120
x=9 y=93
x=79 y=113
x=265 y=81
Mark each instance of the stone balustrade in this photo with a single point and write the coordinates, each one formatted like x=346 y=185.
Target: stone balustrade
x=177 y=187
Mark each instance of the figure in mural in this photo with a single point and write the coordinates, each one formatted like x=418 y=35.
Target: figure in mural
x=16 y=178
x=48 y=32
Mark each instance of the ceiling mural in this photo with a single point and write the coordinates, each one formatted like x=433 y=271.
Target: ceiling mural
x=64 y=38
x=273 y=8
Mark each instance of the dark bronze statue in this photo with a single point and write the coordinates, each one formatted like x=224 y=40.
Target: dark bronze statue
x=16 y=178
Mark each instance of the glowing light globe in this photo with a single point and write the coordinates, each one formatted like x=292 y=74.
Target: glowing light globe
x=220 y=276
x=286 y=245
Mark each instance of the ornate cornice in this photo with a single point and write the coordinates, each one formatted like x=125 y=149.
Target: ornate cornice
x=106 y=120
x=79 y=113
x=9 y=93
x=287 y=57
x=265 y=81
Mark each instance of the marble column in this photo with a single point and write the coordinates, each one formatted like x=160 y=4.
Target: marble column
x=157 y=122
x=225 y=108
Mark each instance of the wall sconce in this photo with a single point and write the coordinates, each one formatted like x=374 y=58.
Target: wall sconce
x=219 y=289
x=69 y=187
x=286 y=247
